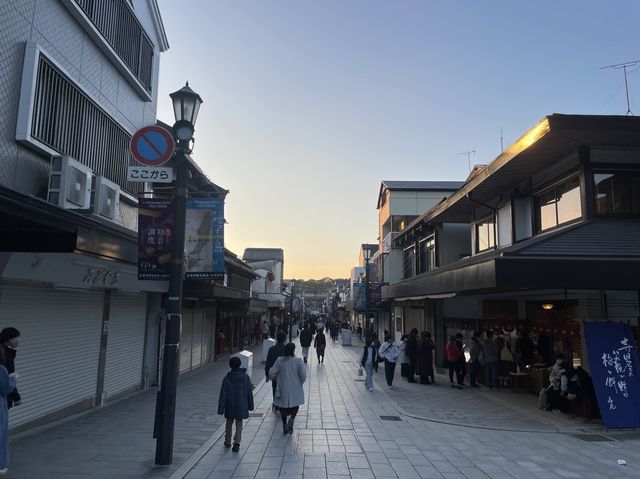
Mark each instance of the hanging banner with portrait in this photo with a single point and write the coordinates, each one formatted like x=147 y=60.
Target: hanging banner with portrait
x=204 y=238
x=155 y=228
x=614 y=364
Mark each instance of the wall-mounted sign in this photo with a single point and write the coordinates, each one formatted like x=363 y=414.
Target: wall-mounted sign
x=204 y=238
x=155 y=231
x=151 y=174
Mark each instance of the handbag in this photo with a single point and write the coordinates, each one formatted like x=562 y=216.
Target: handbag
x=360 y=371
x=542 y=399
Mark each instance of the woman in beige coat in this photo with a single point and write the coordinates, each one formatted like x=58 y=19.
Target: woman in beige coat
x=290 y=374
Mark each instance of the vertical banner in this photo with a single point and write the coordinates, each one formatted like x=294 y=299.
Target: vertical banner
x=155 y=227
x=613 y=359
x=204 y=238
x=358 y=296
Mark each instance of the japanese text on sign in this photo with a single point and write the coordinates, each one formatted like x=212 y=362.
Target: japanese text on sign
x=619 y=366
x=149 y=174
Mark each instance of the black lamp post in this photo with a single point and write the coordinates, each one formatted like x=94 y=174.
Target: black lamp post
x=186 y=104
x=367 y=257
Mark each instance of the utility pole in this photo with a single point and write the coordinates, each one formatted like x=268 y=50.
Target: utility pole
x=624 y=67
x=501 y=141
x=468 y=153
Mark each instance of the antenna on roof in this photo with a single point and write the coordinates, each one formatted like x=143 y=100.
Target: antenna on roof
x=468 y=153
x=501 y=142
x=624 y=66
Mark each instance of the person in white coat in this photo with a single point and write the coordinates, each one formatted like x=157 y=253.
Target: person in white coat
x=390 y=352
x=290 y=374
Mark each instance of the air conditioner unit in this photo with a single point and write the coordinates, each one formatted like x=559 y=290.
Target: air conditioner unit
x=105 y=198
x=69 y=183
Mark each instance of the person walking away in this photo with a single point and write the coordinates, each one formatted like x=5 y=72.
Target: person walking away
x=359 y=331
x=7 y=386
x=369 y=358
x=452 y=353
x=491 y=360
x=462 y=360
x=305 y=341
x=320 y=343
x=411 y=351
x=404 y=360
x=390 y=352
x=475 y=349
x=274 y=353
x=290 y=374
x=376 y=344
x=264 y=329
x=425 y=358
x=9 y=342
x=235 y=402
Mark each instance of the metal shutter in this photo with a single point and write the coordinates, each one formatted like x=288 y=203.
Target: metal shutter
x=59 y=347
x=196 y=341
x=125 y=343
x=185 y=341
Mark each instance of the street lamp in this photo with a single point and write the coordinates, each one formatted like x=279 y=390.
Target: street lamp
x=186 y=104
x=367 y=257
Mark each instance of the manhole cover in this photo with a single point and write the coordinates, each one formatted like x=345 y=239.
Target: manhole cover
x=256 y=414
x=390 y=418
x=593 y=437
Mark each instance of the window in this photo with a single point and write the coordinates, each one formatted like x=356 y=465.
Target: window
x=617 y=193
x=68 y=122
x=485 y=234
x=409 y=269
x=558 y=205
x=119 y=26
x=427 y=255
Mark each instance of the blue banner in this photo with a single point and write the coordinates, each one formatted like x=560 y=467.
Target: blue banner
x=204 y=238
x=614 y=364
x=358 y=296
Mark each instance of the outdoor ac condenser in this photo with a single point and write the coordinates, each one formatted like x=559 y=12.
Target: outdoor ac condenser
x=69 y=183
x=105 y=198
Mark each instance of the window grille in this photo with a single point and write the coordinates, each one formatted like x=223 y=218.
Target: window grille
x=69 y=122
x=122 y=30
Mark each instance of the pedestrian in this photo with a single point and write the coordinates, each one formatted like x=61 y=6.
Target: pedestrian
x=334 y=331
x=235 y=402
x=320 y=343
x=452 y=352
x=305 y=341
x=425 y=358
x=475 y=358
x=491 y=361
x=9 y=343
x=462 y=360
x=359 y=332
x=7 y=385
x=390 y=352
x=376 y=344
x=404 y=360
x=412 y=354
x=273 y=354
x=290 y=374
x=369 y=358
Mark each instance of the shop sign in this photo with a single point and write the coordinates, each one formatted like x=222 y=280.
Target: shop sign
x=155 y=228
x=614 y=364
x=101 y=277
x=204 y=238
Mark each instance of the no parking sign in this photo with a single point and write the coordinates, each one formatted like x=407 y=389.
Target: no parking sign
x=152 y=145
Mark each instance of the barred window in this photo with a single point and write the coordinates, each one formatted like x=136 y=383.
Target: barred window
x=67 y=121
x=122 y=30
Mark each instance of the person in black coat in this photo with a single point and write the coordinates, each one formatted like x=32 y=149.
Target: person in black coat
x=306 y=337
x=411 y=351
x=274 y=353
x=320 y=343
x=236 y=400
x=9 y=342
x=425 y=358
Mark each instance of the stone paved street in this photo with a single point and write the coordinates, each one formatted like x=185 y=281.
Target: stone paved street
x=438 y=432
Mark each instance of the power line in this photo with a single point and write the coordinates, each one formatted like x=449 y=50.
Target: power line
x=624 y=67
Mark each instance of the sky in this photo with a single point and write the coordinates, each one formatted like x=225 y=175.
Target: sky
x=310 y=104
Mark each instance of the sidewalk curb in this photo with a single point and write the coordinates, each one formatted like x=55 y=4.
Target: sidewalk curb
x=194 y=459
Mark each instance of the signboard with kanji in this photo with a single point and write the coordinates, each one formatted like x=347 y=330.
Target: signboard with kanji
x=155 y=228
x=613 y=360
x=204 y=238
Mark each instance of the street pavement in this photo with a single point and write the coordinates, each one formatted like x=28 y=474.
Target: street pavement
x=343 y=430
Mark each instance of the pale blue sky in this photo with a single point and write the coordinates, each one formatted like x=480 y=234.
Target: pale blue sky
x=308 y=105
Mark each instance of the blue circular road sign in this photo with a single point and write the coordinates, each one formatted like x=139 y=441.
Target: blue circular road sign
x=152 y=145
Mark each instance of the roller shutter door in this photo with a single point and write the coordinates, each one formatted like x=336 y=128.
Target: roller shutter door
x=59 y=347
x=125 y=343
x=185 y=341
x=195 y=348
